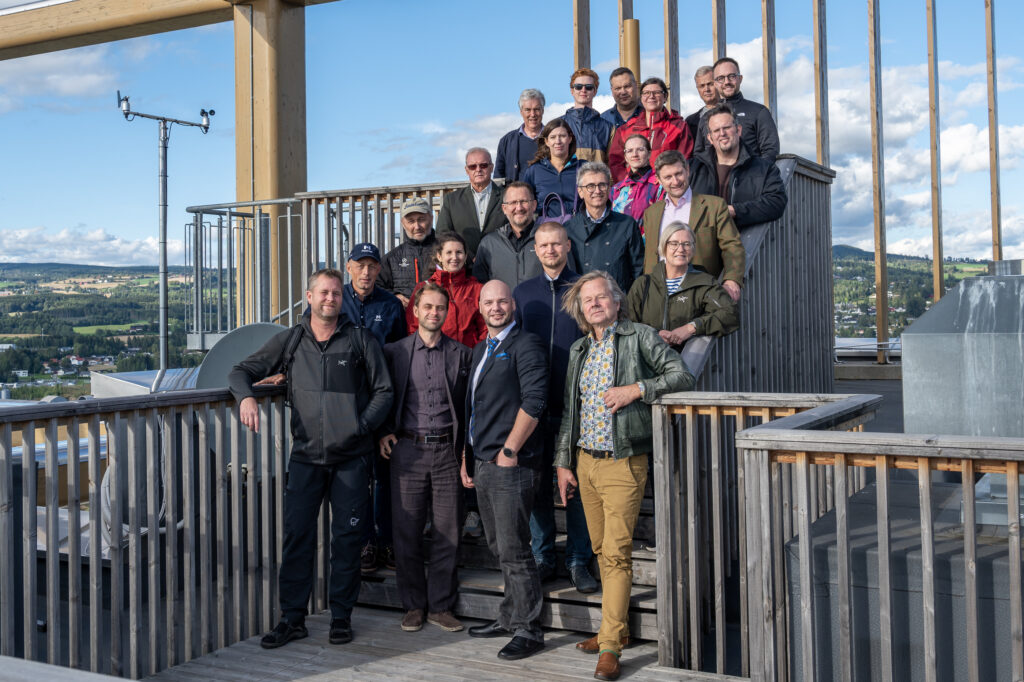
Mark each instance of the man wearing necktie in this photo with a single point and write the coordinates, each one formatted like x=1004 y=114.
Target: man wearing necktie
x=503 y=461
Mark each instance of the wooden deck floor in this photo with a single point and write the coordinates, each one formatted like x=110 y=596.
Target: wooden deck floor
x=382 y=651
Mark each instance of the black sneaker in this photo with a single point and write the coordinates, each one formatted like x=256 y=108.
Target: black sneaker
x=341 y=631
x=582 y=580
x=368 y=558
x=282 y=634
x=387 y=557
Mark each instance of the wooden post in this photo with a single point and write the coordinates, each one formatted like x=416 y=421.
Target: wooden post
x=581 y=34
x=671 y=8
x=993 y=130
x=821 y=84
x=878 y=182
x=933 y=124
x=768 y=56
x=631 y=46
x=717 y=29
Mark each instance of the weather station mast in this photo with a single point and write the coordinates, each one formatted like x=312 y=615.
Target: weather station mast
x=165 y=123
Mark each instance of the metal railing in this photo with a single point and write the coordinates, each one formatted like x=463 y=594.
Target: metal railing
x=896 y=620
x=230 y=248
x=700 y=491
x=173 y=526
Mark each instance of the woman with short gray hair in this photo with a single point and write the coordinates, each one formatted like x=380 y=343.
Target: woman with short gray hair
x=677 y=299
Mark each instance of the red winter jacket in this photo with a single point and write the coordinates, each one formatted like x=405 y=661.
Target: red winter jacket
x=668 y=130
x=464 y=323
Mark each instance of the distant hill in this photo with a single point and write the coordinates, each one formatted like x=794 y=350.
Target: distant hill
x=853 y=253
x=58 y=271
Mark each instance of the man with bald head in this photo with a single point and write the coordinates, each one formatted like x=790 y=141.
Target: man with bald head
x=508 y=389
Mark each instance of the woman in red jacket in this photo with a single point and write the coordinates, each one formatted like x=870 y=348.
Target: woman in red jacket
x=663 y=128
x=464 y=322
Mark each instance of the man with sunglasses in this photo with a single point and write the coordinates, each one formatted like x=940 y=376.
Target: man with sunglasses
x=759 y=131
x=475 y=210
x=592 y=132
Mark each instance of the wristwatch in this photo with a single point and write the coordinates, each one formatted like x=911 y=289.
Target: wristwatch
x=508 y=452
x=640 y=385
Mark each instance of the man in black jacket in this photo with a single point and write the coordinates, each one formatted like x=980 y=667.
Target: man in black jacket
x=759 y=131
x=518 y=146
x=507 y=392
x=412 y=261
x=332 y=368
x=750 y=185
x=475 y=210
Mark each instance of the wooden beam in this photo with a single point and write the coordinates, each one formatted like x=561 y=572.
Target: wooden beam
x=717 y=29
x=671 y=9
x=821 y=84
x=993 y=130
x=89 y=22
x=581 y=34
x=768 y=56
x=933 y=124
x=878 y=181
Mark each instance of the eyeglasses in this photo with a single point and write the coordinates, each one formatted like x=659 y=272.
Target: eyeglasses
x=653 y=93
x=476 y=166
x=518 y=203
x=584 y=86
x=595 y=187
x=727 y=77
x=676 y=246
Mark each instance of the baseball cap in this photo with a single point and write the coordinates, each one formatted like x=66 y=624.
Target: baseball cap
x=365 y=250
x=415 y=205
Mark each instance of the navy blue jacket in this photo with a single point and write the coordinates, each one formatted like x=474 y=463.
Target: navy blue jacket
x=515 y=151
x=615 y=118
x=381 y=313
x=614 y=245
x=545 y=180
x=515 y=378
x=539 y=310
x=593 y=134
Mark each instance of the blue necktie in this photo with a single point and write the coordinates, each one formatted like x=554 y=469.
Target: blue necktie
x=492 y=345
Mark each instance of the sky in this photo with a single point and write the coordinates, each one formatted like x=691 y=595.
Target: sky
x=398 y=96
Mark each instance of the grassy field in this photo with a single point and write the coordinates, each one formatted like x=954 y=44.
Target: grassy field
x=93 y=328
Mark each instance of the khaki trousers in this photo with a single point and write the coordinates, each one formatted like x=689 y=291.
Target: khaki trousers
x=611 y=491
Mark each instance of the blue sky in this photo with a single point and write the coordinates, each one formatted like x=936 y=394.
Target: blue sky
x=395 y=102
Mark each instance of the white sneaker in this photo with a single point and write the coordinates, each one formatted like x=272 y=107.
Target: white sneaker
x=473 y=527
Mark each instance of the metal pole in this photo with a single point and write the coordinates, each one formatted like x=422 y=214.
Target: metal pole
x=163 y=137
x=220 y=273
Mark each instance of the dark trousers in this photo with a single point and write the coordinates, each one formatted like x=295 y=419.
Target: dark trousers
x=378 y=505
x=346 y=485
x=542 y=521
x=425 y=478
x=505 y=496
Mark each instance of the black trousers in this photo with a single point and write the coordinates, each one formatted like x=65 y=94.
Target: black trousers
x=426 y=477
x=346 y=485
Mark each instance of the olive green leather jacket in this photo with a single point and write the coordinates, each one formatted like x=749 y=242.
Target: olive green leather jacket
x=640 y=355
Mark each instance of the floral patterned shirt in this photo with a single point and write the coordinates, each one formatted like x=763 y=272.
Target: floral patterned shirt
x=598 y=375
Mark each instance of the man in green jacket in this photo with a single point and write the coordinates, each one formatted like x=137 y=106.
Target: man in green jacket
x=606 y=436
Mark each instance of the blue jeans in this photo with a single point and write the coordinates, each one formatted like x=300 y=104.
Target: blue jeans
x=542 y=522
x=346 y=485
x=505 y=496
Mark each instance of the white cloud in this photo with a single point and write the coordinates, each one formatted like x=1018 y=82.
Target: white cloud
x=71 y=73
x=82 y=245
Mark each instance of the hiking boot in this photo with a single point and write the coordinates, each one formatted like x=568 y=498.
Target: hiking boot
x=283 y=633
x=387 y=557
x=341 y=631
x=445 y=620
x=582 y=580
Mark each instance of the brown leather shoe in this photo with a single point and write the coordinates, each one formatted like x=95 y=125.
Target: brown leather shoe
x=590 y=646
x=445 y=620
x=607 y=667
x=413 y=620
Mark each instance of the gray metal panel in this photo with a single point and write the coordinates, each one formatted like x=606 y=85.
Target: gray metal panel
x=236 y=345
x=990 y=305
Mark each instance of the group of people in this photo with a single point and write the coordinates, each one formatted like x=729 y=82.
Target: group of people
x=512 y=350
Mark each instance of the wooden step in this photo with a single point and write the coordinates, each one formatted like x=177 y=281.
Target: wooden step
x=481 y=592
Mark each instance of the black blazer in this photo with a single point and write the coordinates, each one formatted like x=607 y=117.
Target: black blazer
x=456 y=370
x=458 y=214
x=515 y=377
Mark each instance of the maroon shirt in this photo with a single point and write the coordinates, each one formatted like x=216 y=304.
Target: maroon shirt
x=426 y=410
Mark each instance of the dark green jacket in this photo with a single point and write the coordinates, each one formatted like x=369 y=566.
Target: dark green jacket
x=700 y=300
x=640 y=355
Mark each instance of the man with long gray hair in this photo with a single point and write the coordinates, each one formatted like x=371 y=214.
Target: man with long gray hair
x=518 y=146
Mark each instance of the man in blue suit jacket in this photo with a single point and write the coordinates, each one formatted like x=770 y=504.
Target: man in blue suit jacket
x=508 y=388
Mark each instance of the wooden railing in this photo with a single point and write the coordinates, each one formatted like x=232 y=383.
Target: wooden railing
x=192 y=545
x=700 y=493
x=879 y=534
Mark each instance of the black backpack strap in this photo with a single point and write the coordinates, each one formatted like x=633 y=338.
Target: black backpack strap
x=647 y=290
x=290 y=346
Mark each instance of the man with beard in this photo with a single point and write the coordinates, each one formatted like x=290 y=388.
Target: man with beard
x=627 y=97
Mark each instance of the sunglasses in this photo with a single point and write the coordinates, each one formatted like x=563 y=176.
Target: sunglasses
x=584 y=86
x=478 y=166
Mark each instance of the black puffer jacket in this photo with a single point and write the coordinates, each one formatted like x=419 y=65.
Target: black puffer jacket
x=339 y=394
x=756 y=191
x=408 y=264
